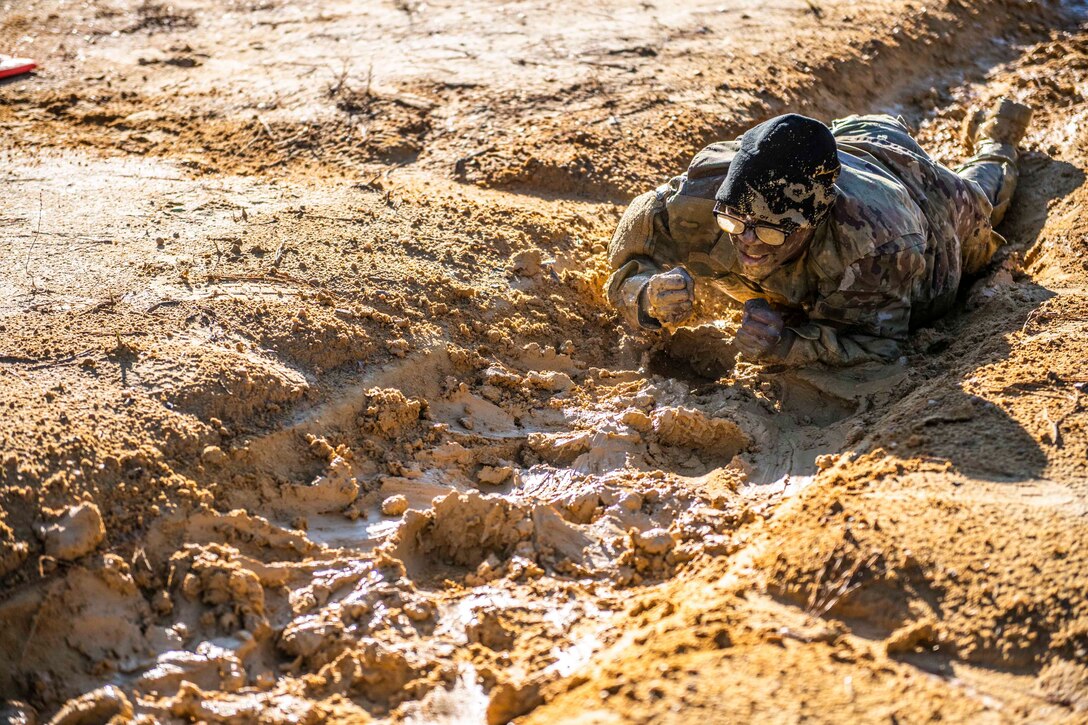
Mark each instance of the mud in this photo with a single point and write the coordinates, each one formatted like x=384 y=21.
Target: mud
x=315 y=412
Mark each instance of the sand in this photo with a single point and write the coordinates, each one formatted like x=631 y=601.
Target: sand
x=315 y=411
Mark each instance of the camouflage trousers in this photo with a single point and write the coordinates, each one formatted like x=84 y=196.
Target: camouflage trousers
x=993 y=168
x=992 y=173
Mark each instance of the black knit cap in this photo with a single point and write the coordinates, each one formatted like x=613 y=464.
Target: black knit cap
x=784 y=172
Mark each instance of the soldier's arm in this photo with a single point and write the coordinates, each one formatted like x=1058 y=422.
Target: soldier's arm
x=633 y=255
x=865 y=319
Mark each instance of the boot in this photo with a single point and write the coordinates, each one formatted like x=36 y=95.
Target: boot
x=992 y=137
x=1004 y=124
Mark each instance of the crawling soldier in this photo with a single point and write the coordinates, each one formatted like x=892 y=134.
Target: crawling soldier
x=838 y=241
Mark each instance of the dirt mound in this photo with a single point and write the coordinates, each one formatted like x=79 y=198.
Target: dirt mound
x=463 y=529
x=215 y=381
x=618 y=151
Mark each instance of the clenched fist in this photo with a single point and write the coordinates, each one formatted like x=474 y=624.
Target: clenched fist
x=760 y=329
x=669 y=296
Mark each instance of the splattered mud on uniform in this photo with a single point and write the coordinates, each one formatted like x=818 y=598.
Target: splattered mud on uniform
x=902 y=233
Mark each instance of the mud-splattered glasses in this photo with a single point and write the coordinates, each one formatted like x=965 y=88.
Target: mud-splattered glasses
x=767 y=233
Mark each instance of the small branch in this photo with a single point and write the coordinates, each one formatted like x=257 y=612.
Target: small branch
x=279 y=254
x=162 y=303
x=268 y=130
x=38 y=364
x=37 y=233
x=1055 y=432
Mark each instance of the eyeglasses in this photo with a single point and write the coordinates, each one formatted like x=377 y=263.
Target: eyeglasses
x=768 y=234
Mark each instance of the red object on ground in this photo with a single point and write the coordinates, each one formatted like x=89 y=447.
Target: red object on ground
x=10 y=66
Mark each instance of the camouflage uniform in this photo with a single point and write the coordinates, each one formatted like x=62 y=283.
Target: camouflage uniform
x=902 y=233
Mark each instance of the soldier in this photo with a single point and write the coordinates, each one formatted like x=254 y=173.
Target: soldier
x=839 y=241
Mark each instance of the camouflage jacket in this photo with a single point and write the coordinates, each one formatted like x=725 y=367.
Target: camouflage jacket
x=889 y=256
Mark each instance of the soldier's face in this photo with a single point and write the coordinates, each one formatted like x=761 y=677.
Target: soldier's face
x=760 y=259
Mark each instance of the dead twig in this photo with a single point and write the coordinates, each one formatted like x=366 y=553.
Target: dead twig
x=63 y=361
x=104 y=304
x=1055 y=425
x=1055 y=431
x=268 y=130
x=1018 y=389
x=823 y=599
x=278 y=257
x=82 y=237
x=817 y=586
x=162 y=303
x=152 y=177
x=1052 y=379
x=42 y=609
x=1031 y=319
x=37 y=233
x=847 y=584
x=352 y=220
x=340 y=80
x=250 y=142
x=279 y=278
x=460 y=167
x=39 y=364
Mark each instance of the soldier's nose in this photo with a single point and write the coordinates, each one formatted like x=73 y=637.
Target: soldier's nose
x=748 y=236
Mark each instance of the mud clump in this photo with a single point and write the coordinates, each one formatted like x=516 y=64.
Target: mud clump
x=95 y=613
x=692 y=428
x=214 y=456
x=210 y=667
x=489 y=628
x=395 y=505
x=377 y=673
x=219 y=576
x=650 y=554
x=1065 y=683
x=494 y=475
x=319 y=340
x=106 y=704
x=526 y=263
x=463 y=529
x=911 y=637
x=387 y=412
x=77 y=533
x=655 y=542
x=195 y=705
x=12 y=553
x=336 y=489
x=509 y=701
x=314 y=639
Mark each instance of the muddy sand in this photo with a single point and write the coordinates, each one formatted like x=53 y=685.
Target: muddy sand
x=314 y=412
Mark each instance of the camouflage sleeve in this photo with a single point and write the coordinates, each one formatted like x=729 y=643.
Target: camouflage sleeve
x=865 y=317
x=631 y=256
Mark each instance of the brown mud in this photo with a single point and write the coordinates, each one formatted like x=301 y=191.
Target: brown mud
x=314 y=411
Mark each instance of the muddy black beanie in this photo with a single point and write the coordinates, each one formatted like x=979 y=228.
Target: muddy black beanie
x=784 y=172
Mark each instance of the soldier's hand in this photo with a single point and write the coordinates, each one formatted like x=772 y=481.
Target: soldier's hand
x=669 y=296
x=760 y=329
